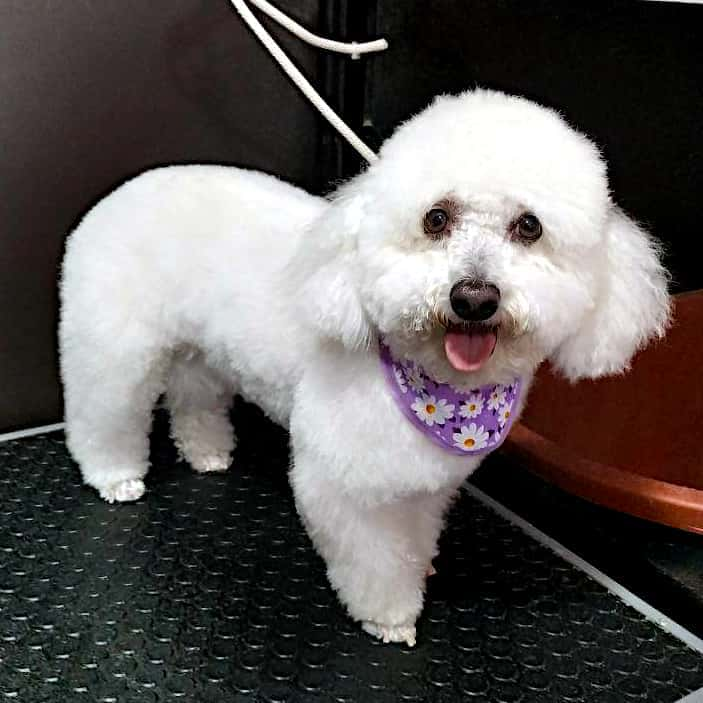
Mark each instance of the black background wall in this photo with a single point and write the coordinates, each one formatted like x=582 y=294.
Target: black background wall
x=92 y=93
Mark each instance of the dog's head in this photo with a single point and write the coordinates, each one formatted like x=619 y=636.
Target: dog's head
x=482 y=242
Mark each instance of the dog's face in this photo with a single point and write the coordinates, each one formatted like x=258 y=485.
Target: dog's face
x=484 y=241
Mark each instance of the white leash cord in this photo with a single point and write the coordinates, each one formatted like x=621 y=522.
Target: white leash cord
x=296 y=76
x=353 y=48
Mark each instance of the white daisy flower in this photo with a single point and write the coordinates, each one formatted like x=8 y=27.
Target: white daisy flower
x=472 y=406
x=415 y=379
x=497 y=398
x=504 y=413
x=400 y=379
x=432 y=411
x=471 y=438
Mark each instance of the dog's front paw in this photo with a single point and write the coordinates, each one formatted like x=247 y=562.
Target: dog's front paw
x=206 y=463
x=391 y=633
x=123 y=491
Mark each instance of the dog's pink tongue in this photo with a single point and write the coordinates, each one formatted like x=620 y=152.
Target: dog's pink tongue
x=469 y=351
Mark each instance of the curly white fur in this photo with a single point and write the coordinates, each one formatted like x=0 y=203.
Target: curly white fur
x=204 y=281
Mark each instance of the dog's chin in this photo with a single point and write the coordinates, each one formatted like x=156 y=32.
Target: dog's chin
x=463 y=355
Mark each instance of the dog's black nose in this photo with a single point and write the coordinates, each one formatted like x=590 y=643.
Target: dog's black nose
x=474 y=301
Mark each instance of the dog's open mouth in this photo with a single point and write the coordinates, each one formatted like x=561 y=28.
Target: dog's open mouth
x=468 y=347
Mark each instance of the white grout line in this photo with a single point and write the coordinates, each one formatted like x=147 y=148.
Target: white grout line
x=695 y=697
x=31 y=431
x=614 y=587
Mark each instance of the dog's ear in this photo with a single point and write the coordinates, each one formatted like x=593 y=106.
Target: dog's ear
x=328 y=274
x=631 y=304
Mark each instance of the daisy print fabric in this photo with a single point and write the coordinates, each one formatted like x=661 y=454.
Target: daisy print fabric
x=462 y=422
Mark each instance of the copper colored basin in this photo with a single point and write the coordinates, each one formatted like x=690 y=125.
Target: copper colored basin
x=633 y=443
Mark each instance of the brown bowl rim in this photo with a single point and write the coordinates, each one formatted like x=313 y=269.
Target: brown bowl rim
x=610 y=486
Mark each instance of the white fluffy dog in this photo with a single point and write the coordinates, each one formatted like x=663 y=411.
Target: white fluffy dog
x=482 y=242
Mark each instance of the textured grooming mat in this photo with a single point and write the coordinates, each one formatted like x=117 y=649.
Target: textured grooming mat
x=208 y=589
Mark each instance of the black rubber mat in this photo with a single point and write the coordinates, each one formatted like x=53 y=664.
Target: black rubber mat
x=208 y=590
x=662 y=565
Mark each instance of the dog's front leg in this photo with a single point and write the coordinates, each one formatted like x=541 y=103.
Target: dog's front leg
x=377 y=555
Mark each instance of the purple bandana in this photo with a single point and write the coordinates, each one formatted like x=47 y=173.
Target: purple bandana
x=461 y=422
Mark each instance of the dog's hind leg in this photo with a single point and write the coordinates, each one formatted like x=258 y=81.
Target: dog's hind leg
x=109 y=402
x=199 y=399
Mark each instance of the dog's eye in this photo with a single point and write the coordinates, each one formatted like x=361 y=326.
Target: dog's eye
x=436 y=222
x=527 y=228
